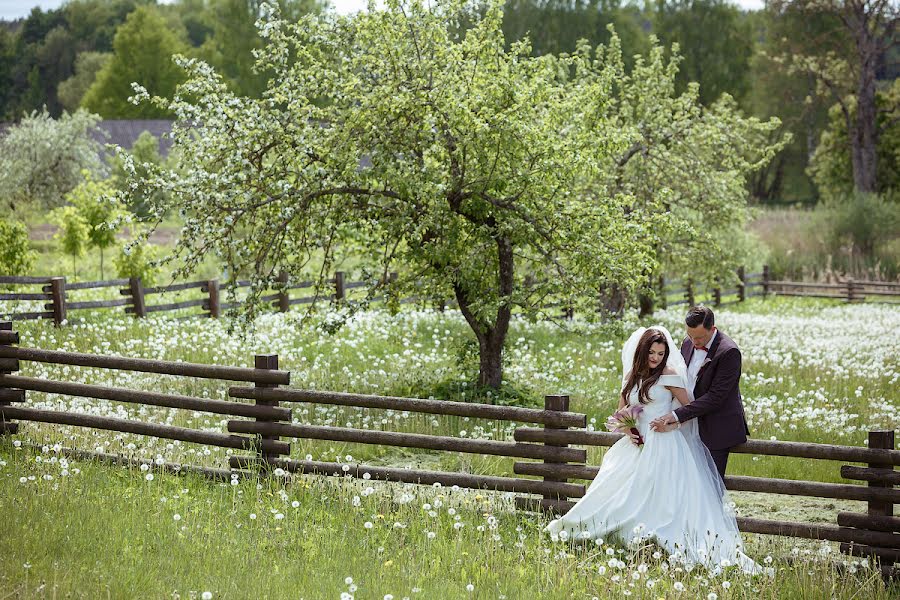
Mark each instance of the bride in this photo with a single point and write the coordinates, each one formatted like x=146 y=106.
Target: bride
x=669 y=488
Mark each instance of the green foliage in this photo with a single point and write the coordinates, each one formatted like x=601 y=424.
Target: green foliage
x=143 y=48
x=95 y=202
x=94 y=22
x=831 y=167
x=815 y=244
x=72 y=234
x=42 y=55
x=555 y=26
x=73 y=89
x=233 y=38
x=861 y=222
x=715 y=43
x=42 y=159
x=849 y=71
x=16 y=255
x=144 y=157
x=137 y=259
x=775 y=90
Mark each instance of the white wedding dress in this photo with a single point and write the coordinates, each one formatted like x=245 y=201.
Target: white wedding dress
x=668 y=490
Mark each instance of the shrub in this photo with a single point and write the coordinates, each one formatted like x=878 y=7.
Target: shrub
x=138 y=260
x=862 y=222
x=16 y=255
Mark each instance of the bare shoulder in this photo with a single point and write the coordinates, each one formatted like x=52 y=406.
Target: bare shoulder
x=669 y=371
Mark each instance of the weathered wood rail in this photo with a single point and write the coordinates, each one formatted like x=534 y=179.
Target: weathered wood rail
x=552 y=484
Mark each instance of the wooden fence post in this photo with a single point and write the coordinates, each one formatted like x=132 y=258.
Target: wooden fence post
x=851 y=289
x=881 y=439
x=742 y=285
x=284 y=300
x=6 y=427
x=879 y=513
x=339 y=290
x=266 y=361
x=212 y=287
x=58 y=295
x=557 y=403
x=765 y=281
x=137 y=297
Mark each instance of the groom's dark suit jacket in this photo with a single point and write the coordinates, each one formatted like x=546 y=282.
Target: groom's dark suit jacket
x=717 y=402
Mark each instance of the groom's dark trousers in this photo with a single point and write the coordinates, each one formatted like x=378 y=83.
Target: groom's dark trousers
x=720 y=457
x=717 y=402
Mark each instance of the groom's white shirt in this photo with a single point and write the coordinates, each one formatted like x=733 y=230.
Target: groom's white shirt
x=697 y=361
x=693 y=369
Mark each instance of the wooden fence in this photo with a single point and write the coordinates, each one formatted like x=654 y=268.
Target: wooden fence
x=56 y=293
x=551 y=480
x=136 y=299
x=673 y=292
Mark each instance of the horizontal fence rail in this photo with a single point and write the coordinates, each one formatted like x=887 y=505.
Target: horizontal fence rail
x=146 y=365
x=102 y=392
x=443 y=407
x=764 y=447
x=409 y=440
x=56 y=292
x=463 y=480
x=171 y=432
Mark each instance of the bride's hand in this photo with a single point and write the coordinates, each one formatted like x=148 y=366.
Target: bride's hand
x=635 y=439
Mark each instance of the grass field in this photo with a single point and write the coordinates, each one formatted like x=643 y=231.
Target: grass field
x=813 y=371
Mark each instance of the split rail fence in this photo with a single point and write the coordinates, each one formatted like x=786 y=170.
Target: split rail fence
x=136 y=299
x=551 y=479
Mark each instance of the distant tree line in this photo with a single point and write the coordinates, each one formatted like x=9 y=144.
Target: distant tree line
x=797 y=60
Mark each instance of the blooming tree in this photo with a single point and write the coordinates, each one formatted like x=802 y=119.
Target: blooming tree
x=42 y=159
x=484 y=173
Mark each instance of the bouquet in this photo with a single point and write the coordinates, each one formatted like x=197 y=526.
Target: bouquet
x=625 y=420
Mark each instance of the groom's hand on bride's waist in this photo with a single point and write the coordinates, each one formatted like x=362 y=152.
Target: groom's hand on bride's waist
x=665 y=423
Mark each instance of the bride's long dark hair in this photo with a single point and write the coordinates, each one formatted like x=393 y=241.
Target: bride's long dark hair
x=641 y=374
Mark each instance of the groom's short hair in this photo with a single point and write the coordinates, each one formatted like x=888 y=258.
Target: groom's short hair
x=700 y=315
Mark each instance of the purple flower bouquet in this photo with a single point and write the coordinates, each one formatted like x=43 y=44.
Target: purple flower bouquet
x=625 y=420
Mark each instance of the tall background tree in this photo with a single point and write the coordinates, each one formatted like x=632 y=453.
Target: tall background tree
x=775 y=91
x=871 y=26
x=233 y=37
x=715 y=41
x=142 y=53
x=555 y=26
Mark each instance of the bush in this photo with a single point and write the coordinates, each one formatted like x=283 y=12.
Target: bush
x=861 y=223
x=16 y=255
x=137 y=260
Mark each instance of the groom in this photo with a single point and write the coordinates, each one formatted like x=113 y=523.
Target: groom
x=714 y=371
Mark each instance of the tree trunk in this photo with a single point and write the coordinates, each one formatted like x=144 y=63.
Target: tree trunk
x=491 y=336
x=863 y=132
